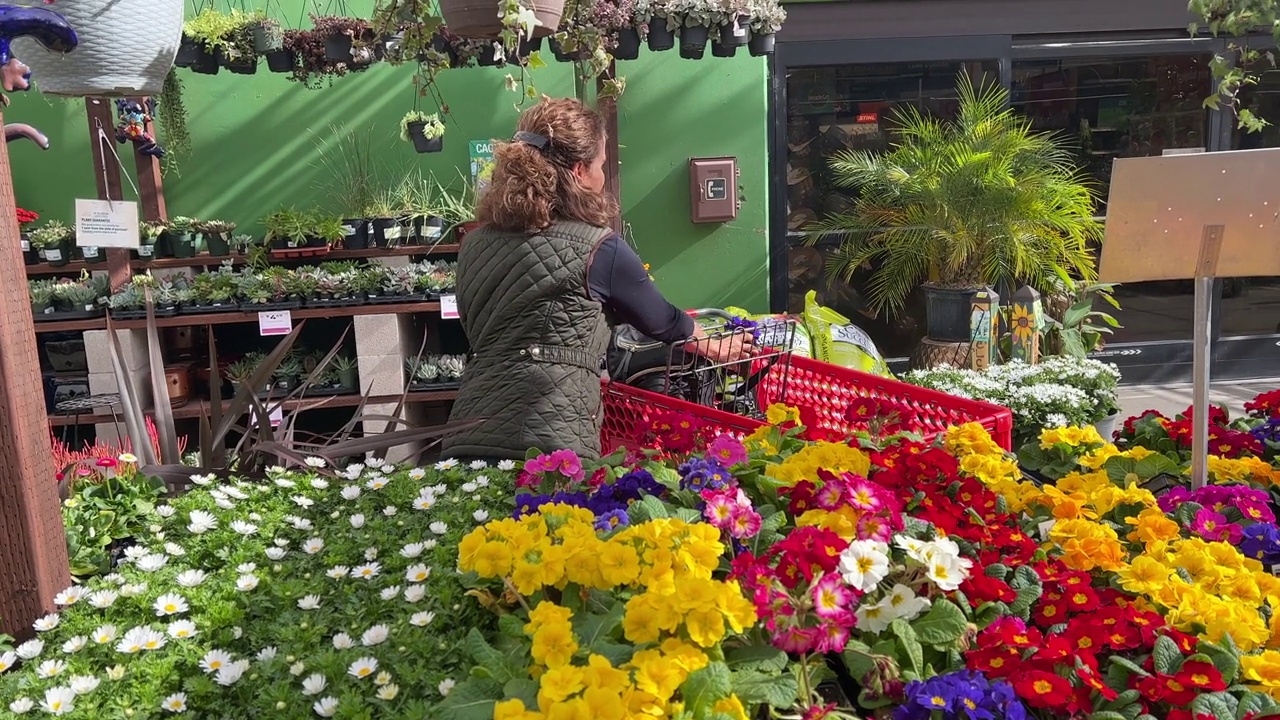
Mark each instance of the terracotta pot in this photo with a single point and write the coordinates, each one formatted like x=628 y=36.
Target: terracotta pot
x=178 y=381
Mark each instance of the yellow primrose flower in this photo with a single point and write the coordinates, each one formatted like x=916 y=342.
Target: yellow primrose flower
x=777 y=414
x=1152 y=525
x=1072 y=436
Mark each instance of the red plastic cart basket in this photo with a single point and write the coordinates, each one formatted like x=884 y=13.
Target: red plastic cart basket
x=801 y=382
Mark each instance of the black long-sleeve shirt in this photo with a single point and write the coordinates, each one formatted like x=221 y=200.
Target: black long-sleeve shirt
x=616 y=278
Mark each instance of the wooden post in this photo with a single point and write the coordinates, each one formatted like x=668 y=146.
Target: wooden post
x=1026 y=318
x=106 y=173
x=33 y=545
x=608 y=107
x=150 y=187
x=984 y=329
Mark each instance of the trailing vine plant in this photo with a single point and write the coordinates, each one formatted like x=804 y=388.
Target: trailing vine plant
x=171 y=115
x=1237 y=67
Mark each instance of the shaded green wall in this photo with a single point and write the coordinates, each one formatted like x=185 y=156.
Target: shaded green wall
x=255 y=143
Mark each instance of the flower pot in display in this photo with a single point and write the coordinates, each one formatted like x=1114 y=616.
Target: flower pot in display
x=948 y=313
x=58 y=255
x=241 y=66
x=280 y=61
x=188 y=53
x=206 y=63
x=349 y=380
x=477 y=19
x=489 y=55
x=432 y=230
x=316 y=242
x=693 y=42
x=183 y=245
x=382 y=228
x=1106 y=427
x=661 y=36
x=628 y=47
x=528 y=47
x=736 y=32
x=760 y=45
x=93 y=254
x=29 y=254
x=564 y=56
x=422 y=143
x=144 y=252
x=337 y=48
x=177 y=380
x=267 y=38
x=355 y=233
x=723 y=51
x=217 y=244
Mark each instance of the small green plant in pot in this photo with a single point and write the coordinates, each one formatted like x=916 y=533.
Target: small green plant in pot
x=148 y=236
x=288 y=374
x=216 y=234
x=957 y=205
x=210 y=32
x=267 y=36
x=286 y=229
x=326 y=231
x=426 y=132
x=346 y=368
x=179 y=237
x=41 y=294
x=54 y=241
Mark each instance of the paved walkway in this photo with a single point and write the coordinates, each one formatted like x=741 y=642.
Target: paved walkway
x=1172 y=399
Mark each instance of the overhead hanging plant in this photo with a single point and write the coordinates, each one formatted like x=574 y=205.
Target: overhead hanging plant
x=171 y=115
x=1237 y=68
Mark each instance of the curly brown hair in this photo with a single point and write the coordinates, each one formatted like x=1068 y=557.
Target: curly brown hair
x=530 y=187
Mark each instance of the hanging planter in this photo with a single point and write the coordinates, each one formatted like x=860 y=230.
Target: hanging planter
x=565 y=56
x=693 y=41
x=244 y=65
x=280 y=61
x=426 y=132
x=721 y=50
x=126 y=48
x=267 y=37
x=188 y=53
x=661 y=36
x=760 y=44
x=207 y=62
x=628 y=47
x=489 y=56
x=337 y=47
x=479 y=19
x=735 y=33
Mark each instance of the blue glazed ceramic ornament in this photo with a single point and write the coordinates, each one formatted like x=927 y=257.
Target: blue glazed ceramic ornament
x=47 y=28
x=132 y=126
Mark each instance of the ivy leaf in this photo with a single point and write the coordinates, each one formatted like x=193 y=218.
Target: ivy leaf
x=1166 y=656
x=757 y=688
x=942 y=625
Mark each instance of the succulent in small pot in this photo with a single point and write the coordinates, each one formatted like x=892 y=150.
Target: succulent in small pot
x=79 y=297
x=345 y=39
x=657 y=23
x=401 y=281
x=240 y=372
x=367 y=281
x=178 y=232
x=148 y=234
x=40 y=293
x=288 y=374
x=217 y=235
x=241 y=244
x=451 y=367
x=425 y=131
x=346 y=368
x=54 y=242
x=422 y=371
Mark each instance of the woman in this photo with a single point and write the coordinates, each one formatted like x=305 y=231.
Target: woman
x=535 y=283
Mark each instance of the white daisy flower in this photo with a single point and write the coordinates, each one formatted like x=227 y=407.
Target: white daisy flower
x=267 y=654
x=275 y=553
x=438 y=527
x=422 y=619
x=480 y=515
x=22 y=705
x=314 y=684
x=280 y=542
x=224 y=503
x=482 y=480
x=389 y=510
x=469 y=487
x=132 y=641
x=417 y=474
x=153 y=562
x=70 y=596
x=423 y=503
x=51 y=668
x=46 y=623
x=447 y=464
x=351 y=492
x=316 y=462
x=446 y=686
x=202 y=479
x=285 y=483
x=133 y=552
x=478 y=465
x=243 y=528
x=302 y=501
x=174 y=549
x=367 y=571
x=297 y=668
x=274 y=469
x=231 y=673
x=201 y=522
x=412 y=550
x=363 y=668
x=105 y=634
x=170 y=604
x=30 y=649
x=246 y=568
x=235 y=492
x=357 y=521
x=7 y=660
x=310 y=602
x=175 y=703
x=375 y=635
x=132 y=589
x=83 y=684
x=301 y=524
x=506 y=465
x=152 y=640
x=319 y=483
x=191 y=578
x=245 y=583
x=326 y=707
x=59 y=700
x=165 y=511
x=377 y=482
x=338 y=571
x=414 y=593
x=417 y=573
x=343 y=641
x=390 y=593
x=429 y=544
x=388 y=692
x=115 y=578
x=313 y=545
x=70 y=647
x=115 y=672
x=182 y=629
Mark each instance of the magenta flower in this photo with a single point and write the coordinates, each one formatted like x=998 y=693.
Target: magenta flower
x=832 y=494
x=1214 y=526
x=864 y=495
x=831 y=597
x=564 y=462
x=744 y=522
x=728 y=451
x=797 y=639
x=874 y=527
x=720 y=508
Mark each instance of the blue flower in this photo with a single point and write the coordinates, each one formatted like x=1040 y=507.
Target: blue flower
x=612 y=520
x=702 y=474
x=963 y=695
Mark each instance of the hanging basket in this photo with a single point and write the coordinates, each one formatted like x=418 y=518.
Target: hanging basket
x=480 y=18
x=126 y=48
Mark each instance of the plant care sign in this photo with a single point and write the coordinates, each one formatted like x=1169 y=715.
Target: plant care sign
x=275 y=322
x=106 y=223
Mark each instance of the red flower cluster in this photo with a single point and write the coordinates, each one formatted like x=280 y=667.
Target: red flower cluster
x=1265 y=405
x=880 y=416
x=1224 y=441
x=26 y=217
x=675 y=432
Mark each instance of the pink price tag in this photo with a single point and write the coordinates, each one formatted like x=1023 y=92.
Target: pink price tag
x=275 y=322
x=275 y=416
x=449 y=307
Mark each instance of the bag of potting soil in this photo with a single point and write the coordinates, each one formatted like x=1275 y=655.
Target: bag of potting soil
x=778 y=332
x=838 y=341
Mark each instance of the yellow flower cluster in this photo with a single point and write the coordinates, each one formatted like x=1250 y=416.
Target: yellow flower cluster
x=982 y=458
x=834 y=457
x=1252 y=470
x=1071 y=436
x=679 y=609
x=1263 y=671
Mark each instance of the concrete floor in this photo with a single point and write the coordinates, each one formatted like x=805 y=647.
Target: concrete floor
x=1172 y=399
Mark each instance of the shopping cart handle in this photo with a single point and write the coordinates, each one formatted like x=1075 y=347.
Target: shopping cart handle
x=710 y=312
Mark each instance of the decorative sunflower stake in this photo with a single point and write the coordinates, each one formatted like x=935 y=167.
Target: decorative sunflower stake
x=1026 y=317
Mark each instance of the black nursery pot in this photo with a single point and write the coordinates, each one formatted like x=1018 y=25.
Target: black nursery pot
x=93 y=255
x=736 y=33
x=432 y=230
x=356 y=235
x=314 y=241
x=280 y=61
x=628 y=44
x=188 y=53
x=30 y=256
x=761 y=45
x=421 y=143
x=660 y=36
x=563 y=56
x=528 y=46
x=488 y=57
x=217 y=243
x=206 y=63
x=243 y=66
x=337 y=48
x=723 y=51
x=380 y=226
x=58 y=255
x=693 y=42
x=183 y=245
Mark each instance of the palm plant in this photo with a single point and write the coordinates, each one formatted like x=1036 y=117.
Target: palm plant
x=975 y=201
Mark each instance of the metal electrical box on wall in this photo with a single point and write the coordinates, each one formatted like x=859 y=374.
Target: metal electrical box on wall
x=713 y=189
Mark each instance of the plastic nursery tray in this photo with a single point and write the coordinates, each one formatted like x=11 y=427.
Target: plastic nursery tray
x=265 y=307
x=425 y=387
x=195 y=309
x=392 y=299
x=141 y=314
x=69 y=315
x=315 y=391
x=334 y=302
x=302 y=252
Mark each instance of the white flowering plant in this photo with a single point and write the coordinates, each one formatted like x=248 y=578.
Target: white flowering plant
x=1060 y=391
x=295 y=597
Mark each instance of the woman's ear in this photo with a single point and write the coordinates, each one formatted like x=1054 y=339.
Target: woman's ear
x=580 y=172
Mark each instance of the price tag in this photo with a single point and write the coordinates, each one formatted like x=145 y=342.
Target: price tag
x=52 y=255
x=449 y=307
x=275 y=322
x=275 y=416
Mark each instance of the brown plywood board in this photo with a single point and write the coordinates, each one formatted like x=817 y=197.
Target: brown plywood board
x=1159 y=207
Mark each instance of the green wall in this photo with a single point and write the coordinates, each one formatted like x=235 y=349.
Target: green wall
x=256 y=139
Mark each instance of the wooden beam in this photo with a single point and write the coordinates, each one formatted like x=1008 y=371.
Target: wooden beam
x=106 y=173
x=608 y=107
x=33 y=545
x=150 y=186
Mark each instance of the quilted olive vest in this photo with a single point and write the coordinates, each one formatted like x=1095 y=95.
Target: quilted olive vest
x=537 y=342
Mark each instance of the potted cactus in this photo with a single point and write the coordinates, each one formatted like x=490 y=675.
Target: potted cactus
x=178 y=239
x=288 y=374
x=426 y=132
x=346 y=369
x=40 y=293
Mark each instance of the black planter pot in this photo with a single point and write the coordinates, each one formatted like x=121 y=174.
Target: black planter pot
x=280 y=61
x=761 y=45
x=93 y=255
x=29 y=255
x=563 y=56
x=267 y=39
x=206 y=63
x=723 y=51
x=432 y=230
x=628 y=44
x=661 y=37
x=58 y=255
x=357 y=233
x=163 y=248
x=316 y=242
x=736 y=33
x=337 y=48
x=488 y=57
x=948 y=313
x=379 y=227
x=408 y=226
x=421 y=143
x=243 y=66
x=528 y=47
x=693 y=42
x=144 y=252
x=217 y=244
x=188 y=53
x=182 y=245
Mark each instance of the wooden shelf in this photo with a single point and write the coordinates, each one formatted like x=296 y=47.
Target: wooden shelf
x=228 y=318
x=74 y=268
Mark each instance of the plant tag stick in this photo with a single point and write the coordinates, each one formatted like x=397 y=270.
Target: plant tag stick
x=1025 y=322
x=982 y=328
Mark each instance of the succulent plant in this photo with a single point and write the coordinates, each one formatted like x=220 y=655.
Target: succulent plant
x=128 y=297
x=451 y=366
x=290 y=368
x=40 y=292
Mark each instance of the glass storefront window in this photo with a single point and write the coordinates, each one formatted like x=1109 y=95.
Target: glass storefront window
x=850 y=107
x=1124 y=107
x=1251 y=306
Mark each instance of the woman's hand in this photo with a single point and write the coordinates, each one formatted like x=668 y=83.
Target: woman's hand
x=721 y=350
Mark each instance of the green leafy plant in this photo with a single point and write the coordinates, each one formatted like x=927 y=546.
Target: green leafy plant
x=432 y=126
x=975 y=201
x=40 y=293
x=171 y=115
x=1239 y=66
x=51 y=234
x=1073 y=326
